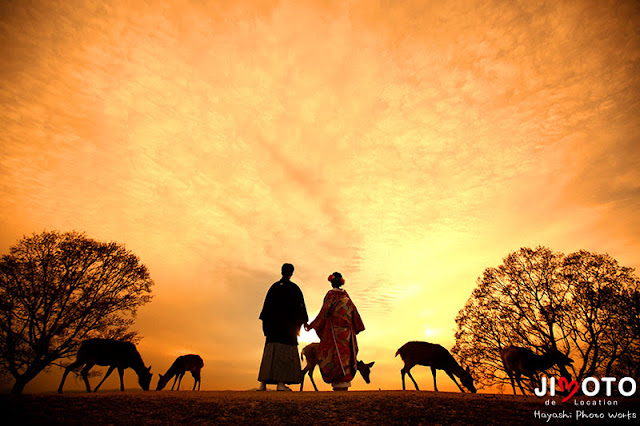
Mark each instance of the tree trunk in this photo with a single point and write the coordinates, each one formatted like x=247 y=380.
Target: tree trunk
x=23 y=379
x=19 y=385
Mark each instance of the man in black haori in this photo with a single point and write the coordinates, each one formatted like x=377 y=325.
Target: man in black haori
x=283 y=313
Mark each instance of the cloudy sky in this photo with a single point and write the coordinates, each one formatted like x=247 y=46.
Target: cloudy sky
x=407 y=144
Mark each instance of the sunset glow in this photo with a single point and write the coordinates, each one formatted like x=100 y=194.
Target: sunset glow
x=408 y=145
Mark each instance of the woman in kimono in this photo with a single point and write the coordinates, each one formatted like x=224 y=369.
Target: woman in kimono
x=337 y=325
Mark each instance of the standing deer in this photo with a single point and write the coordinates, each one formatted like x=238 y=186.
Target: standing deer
x=112 y=353
x=311 y=353
x=435 y=356
x=180 y=366
x=519 y=361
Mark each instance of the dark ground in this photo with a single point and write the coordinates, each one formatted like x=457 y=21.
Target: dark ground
x=251 y=407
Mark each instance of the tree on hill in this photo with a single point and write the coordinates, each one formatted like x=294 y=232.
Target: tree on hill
x=57 y=289
x=586 y=305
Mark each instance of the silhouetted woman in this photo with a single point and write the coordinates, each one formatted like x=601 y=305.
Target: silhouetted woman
x=337 y=325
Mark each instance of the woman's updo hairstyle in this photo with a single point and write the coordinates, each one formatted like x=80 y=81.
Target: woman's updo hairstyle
x=336 y=280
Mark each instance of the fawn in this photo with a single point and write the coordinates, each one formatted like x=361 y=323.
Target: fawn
x=180 y=366
x=311 y=353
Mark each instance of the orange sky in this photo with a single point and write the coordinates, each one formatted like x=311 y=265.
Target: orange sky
x=407 y=144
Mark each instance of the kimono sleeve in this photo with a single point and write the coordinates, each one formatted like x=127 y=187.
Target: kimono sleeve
x=321 y=320
x=356 y=320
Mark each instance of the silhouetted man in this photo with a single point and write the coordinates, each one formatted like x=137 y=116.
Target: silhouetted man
x=283 y=313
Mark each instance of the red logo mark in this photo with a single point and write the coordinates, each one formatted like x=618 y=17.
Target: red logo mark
x=570 y=386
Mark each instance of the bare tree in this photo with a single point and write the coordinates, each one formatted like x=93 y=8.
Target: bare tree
x=627 y=325
x=58 y=289
x=540 y=299
x=599 y=316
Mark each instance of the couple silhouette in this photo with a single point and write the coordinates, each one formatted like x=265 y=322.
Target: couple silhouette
x=337 y=324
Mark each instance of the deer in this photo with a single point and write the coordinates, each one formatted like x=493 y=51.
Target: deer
x=182 y=364
x=436 y=357
x=519 y=361
x=310 y=352
x=109 y=352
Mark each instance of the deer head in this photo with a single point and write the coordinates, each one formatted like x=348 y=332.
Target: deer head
x=144 y=378
x=467 y=380
x=558 y=357
x=365 y=370
x=162 y=382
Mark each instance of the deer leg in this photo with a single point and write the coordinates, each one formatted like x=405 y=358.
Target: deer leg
x=175 y=380
x=64 y=377
x=180 y=380
x=305 y=370
x=196 y=379
x=85 y=373
x=311 y=377
x=517 y=375
x=109 y=371
x=433 y=373
x=455 y=381
x=413 y=380
x=513 y=385
x=534 y=381
x=408 y=371
x=70 y=367
x=121 y=373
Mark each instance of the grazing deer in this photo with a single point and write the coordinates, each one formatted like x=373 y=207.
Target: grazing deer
x=313 y=358
x=436 y=357
x=180 y=366
x=519 y=361
x=112 y=353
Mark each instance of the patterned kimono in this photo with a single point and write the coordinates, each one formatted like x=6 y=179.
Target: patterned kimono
x=337 y=325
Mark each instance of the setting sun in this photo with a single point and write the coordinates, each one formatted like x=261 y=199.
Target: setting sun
x=430 y=333
x=307 y=337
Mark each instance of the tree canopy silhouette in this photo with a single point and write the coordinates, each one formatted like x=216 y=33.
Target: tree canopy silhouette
x=58 y=289
x=583 y=304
